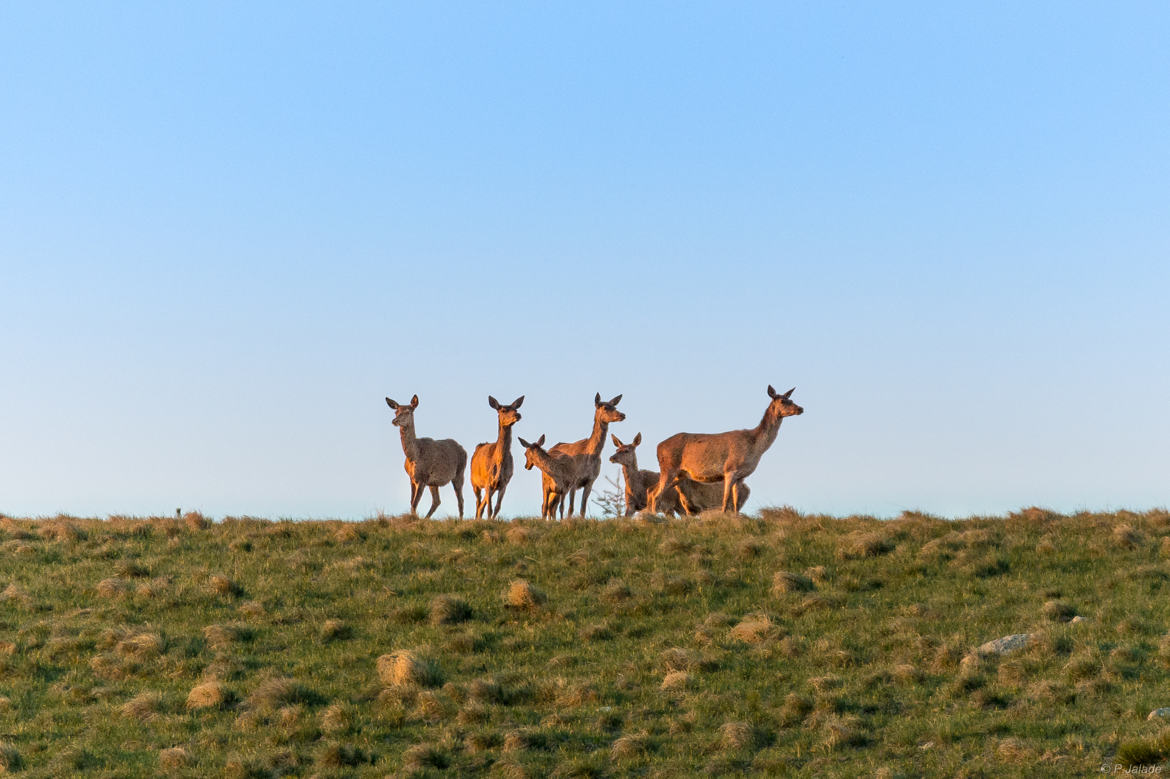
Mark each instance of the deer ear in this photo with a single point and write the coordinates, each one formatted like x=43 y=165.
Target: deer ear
x=516 y=403
x=616 y=441
x=524 y=443
x=615 y=401
x=493 y=403
x=540 y=441
x=788 y=394
x=414 y=402
x=597 y=399
x=771 y=392
x=638 y=439
x=391 y=403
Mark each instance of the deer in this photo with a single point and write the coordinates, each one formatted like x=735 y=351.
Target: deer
x=641 y=485
x=491 y=463
x=429 y=463
x=558 y=473
x=728 y=457
x=589 y=450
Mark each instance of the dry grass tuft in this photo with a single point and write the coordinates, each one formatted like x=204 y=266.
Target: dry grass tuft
x=449 y=610
x=616 y=591
x=1127 y=537
x=15 y=594
x=859 y=544
x=334 y=755
x=734 y=736
x=143 y=707
x=278 y=691
x=786 y=581
x=796 y=707
x=421 y=757
x=61 y=531
x=755 y=629
x=408 y=669
x=336 y=718
x=518 y=535
x=678 y=659
x=196 y=521
x=113 y=587
x=1059 y=611
x=252 y=609
x=209 y=695
x=10 y=759
x=629 y=747
x=676 y=680
x=522 y=595
x=1013 y=750
x=222 y=585
x=173 y=758
x=142 y=645
x=222 y=636
x=335 y=630
x=842 y=731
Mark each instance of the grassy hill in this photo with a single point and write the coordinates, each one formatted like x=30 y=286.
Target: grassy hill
x=780 y=644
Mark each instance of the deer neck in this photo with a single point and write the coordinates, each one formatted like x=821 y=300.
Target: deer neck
x=597 y=437
x=504 y=440
x=630 y=470
x=764 y=434
x=409 y=441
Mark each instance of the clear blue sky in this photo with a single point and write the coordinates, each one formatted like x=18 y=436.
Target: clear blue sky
x=228 y=230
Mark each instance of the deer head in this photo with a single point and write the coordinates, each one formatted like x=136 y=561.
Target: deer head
x=606 y=411
x=781 y=406
x=403 y=414
x=532 y=451
x=624 y=455
x=508 y=414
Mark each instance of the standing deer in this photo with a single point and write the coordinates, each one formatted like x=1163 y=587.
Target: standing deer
x=641 y=485
x=429 y=463
x=589 y=450
x=491 y=463
x=728 y=457
x=558 y=474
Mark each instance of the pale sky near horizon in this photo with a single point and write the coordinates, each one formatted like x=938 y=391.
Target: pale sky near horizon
x=228 y=231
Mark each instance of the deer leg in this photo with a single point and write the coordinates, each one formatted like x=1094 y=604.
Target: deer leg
x=728 y=481
x=499 y=500
x=735 y=504
x=572 y=495
x=415 y=496
x=434 y=500
x=478 y=501
x=665 y=481
x=457 y=485
x=585 y=497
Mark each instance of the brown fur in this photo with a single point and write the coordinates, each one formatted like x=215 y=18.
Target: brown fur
x=728 y=457
x=559 y=474
x=429 y=463
x=587 y=451
x=491 y=463
x=642 y=485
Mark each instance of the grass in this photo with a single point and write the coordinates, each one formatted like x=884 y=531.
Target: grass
x=781 y=644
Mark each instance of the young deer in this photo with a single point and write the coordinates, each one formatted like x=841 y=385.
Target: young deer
x=429 y=463
x=558 y=474
x=641 y=485
x=588 y=450
x=491 y=463
x=728 y=457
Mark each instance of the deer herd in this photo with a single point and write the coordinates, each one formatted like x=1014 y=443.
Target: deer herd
x=697 y=471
